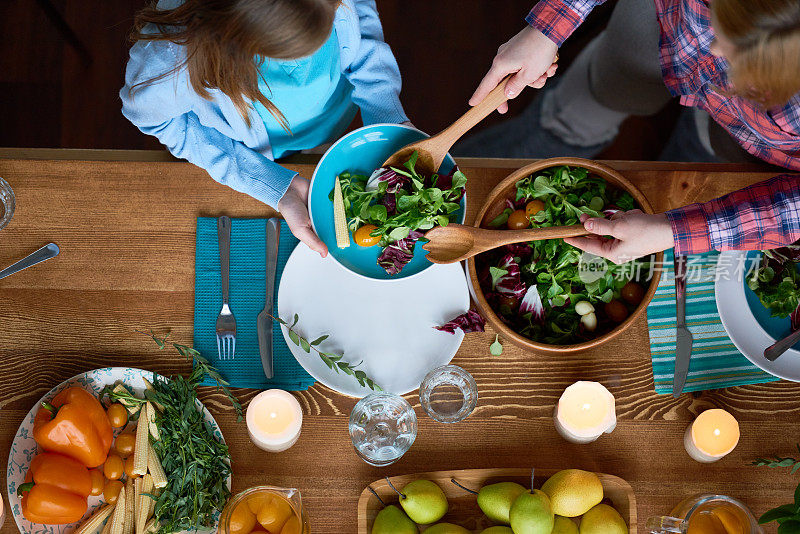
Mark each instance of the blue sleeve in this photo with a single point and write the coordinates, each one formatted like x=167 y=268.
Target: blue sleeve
x=374 y=72
x=163 y=109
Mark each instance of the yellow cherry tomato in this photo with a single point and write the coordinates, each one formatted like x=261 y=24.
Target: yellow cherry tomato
x=113 y=468
x=124 y=444
x=273 y=514
x=292 y=526
x=533 y=207
x=129 y=467
x=111 y=491
x=242 y=519
x=362 y=237
x=117 y=415
x=98 y=482
x=518 y=220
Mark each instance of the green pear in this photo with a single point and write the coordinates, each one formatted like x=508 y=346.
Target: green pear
x=446 y=528
x=603 y=519
x=531 y=513
x=573 y=492
x=495 y=500
x=423 y=501
x=392 y=520
x=563 y=525
x=498 y=530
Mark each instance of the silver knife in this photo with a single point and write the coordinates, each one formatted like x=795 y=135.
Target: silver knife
x=683 y=338
x=264 y=321
x=782 y=345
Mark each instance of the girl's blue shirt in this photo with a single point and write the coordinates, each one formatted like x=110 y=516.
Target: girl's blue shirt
x=313 y=96
x=212 y=134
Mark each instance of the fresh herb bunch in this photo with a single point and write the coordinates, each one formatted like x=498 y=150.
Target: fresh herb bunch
x=776 y=282
x=333 y=361
x=400 y=203
x=787 y=515
x=509 y=275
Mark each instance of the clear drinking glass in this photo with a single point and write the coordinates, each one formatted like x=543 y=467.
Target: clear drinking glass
x=7 y=203
x=448 y=394
x=383 y=427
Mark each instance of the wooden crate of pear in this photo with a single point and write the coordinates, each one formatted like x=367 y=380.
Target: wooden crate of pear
x=463 y=509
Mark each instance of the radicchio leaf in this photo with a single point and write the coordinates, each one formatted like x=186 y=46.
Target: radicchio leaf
x=510 y=284
x=394 y=180
x=523 y=250
x=795 y=318
x=609 y=212
x=470 y=321
x=390 y=201
x=532 y=303
x=396 y=255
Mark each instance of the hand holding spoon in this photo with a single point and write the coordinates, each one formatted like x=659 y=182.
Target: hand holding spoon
x=457 y=242
x=433 y=150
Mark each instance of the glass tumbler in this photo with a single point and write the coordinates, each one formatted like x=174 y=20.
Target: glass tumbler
x=383 y=427
x=448 y=394
x=7 y=203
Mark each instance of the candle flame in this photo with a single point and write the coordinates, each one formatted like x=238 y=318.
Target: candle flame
x=587 y=406
x=716 y=432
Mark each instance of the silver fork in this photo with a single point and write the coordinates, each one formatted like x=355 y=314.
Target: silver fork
x=226 y=322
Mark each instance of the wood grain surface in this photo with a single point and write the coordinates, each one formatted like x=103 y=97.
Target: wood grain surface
x=127 y=236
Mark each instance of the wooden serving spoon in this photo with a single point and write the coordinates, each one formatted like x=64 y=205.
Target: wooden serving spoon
x=457 y=242
x=433 y=150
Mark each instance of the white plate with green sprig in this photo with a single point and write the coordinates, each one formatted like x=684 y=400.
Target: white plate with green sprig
x=24 y=448
x=385 y=331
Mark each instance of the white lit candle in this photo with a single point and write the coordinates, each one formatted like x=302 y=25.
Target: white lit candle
x=711 y=436
x=274 y=419
x=585 y=411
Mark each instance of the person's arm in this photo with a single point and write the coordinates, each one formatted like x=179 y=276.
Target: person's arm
x=763 y=216
x=162 y=109
x=558 y=19
x=374 y=72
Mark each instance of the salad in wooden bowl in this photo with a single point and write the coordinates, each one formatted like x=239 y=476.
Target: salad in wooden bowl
x=548 y=296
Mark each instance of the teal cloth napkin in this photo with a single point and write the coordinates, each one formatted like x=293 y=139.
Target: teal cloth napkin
x=248 y=286
x=716 y=362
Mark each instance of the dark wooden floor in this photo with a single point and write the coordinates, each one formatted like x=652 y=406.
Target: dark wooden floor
x=51 y=95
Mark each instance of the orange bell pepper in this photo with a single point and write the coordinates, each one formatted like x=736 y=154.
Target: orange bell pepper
x=74 y=424
x=55 y=490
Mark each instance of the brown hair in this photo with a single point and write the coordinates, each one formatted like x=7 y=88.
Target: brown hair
x=766 y=34
x=224 y=37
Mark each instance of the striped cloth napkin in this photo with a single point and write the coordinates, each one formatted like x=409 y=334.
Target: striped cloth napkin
x=716 y=362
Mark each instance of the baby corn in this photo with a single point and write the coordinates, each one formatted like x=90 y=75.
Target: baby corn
x=339 y=218
x=91 y=525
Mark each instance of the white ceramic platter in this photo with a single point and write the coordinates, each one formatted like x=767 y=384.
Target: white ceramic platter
x=388 y=326
x=745 y=332
x=24 y=448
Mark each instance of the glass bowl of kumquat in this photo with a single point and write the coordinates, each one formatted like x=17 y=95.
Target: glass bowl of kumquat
x=264 y=509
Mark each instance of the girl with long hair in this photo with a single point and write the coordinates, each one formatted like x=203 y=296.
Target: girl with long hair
x=233 y=85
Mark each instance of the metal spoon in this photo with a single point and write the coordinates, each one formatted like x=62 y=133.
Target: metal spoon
x=45 y=253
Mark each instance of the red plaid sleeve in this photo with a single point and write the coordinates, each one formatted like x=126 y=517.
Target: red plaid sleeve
x=557 y=19
x=763 y=216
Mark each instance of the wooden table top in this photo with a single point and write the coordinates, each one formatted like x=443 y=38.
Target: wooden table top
x=127 y=235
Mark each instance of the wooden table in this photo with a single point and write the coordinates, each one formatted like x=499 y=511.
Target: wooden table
x=127 y=234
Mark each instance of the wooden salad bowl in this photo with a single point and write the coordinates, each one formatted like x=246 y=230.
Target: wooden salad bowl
x=463 y=509
x=495 y=204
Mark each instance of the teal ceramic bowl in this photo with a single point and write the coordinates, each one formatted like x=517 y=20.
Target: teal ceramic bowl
x=361 y=152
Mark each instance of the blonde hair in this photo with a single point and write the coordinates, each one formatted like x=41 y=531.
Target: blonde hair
x=223 y=38
x=765 y=67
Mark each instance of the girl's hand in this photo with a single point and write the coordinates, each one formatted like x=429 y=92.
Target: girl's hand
x=294 y=208
x=529 y=54
x=633 y=234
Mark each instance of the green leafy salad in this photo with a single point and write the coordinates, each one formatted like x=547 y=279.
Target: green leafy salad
x=394 y=207
x=547 y=290
x=776 y=282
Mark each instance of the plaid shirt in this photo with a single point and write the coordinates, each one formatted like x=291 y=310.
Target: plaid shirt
x=695 y=75
x=762 y=216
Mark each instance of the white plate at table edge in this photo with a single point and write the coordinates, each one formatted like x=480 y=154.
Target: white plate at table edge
x=24 y=448
x=741 y=325
x=448 y=344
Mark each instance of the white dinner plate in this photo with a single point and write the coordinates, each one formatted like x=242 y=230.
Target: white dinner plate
x=24 y=448
x=388 y=326
x=746 y=333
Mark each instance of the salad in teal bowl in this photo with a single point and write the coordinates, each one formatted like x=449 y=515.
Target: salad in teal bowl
x=773 y=281
x=388 y=210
